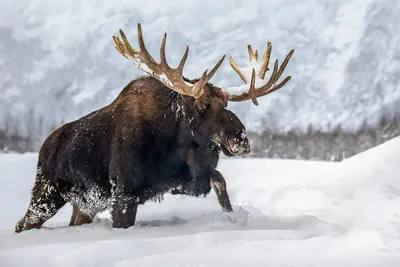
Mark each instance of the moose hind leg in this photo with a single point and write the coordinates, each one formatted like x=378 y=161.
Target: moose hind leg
x=78 y=217
x=75 y=211
x=46 y=200
x=218 y=183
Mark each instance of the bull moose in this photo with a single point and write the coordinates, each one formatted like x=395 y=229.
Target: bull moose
x=163 y=133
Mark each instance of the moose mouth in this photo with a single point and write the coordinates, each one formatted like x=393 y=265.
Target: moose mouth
x=232 y=146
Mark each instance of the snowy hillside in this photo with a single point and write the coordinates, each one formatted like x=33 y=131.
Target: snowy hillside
x=288 y=213
x=58 y=62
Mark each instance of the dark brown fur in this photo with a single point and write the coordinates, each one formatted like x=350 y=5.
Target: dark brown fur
x=149 y=141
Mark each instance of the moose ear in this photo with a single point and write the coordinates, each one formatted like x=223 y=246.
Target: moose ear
x=200 y=107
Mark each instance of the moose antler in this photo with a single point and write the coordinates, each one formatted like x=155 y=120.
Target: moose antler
x=170 y=77
x=271 y=86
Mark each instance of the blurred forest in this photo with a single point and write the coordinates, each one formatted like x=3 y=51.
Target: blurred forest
x=311 y=145
x=318 y=145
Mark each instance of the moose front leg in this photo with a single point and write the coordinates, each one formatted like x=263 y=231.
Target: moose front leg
x=124 y=207
x=124 y=177
x=218 y=183
x=124 y=204
x=123 y=212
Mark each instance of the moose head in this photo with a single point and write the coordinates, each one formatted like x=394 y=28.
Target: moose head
x=204 y=104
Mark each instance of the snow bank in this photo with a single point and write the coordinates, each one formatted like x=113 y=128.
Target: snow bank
x=288 y=213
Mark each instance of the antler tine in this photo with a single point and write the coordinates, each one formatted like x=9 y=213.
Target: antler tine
x=265 y=60
x=272 y=80
x=270 y=85
x=198 y=87
x=276 y=87
x=162 y=51
x=119 y=46
x=128 y=49
x=252 y=92
x=183 y=60
x=276 y=74
x=214 y=70
x=284 y=64
x=237 y=69
x=150 y=60
x=252 y=55
x=170 y=77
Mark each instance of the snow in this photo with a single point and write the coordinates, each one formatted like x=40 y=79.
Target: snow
x=237 y=90
x=287 y=213
x=248 y=73
x=164 y=79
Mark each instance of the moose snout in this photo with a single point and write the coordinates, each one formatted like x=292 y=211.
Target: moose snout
x=239 y=146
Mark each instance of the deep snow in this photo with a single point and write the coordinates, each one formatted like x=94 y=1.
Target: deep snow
x=288 y=213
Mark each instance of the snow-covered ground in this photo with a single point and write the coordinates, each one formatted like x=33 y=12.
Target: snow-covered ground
x=288 y=213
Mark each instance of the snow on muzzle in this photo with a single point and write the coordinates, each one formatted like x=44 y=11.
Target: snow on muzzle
x=233 y=145
x=238 y=146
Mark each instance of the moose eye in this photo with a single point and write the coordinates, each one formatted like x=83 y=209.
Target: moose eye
x=201 y=107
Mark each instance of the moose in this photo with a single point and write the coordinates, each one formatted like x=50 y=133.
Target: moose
x=162 y=134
